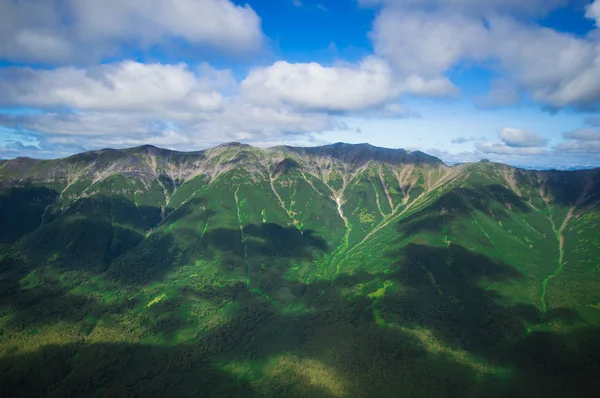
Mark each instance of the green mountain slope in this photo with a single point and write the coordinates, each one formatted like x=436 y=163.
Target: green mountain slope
x=343 y=270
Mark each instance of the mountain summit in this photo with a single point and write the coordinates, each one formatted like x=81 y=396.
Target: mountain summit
x=340 y=270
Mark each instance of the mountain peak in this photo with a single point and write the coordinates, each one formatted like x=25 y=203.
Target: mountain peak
x=363 y=153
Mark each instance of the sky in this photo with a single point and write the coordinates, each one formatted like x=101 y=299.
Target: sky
x=513 y=81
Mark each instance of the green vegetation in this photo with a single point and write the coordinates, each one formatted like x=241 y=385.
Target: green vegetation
x=332 y=271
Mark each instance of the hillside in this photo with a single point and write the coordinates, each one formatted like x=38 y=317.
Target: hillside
x=342 y=270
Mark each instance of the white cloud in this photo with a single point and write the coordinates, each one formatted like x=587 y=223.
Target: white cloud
x=516 y=138
x=426 y=43
x=121 y=87
x=514 y=142
x=312 y=86
x=583 y=135
x=558 y=69
x=582 y=141
x=582 y=147
x=129 y=103
x=178 y=92
x=235 y=122
x=503 y=149
x=593 y=11
x=56 y=31
x=430 y=38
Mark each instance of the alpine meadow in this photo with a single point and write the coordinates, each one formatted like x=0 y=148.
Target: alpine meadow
x=333 y=271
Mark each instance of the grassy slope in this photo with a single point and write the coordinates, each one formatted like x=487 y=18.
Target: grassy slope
x=292 y=273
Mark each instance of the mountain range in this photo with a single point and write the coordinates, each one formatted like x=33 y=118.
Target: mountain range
x=340 y=270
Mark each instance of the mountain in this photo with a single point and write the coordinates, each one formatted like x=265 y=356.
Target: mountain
x=341 y=270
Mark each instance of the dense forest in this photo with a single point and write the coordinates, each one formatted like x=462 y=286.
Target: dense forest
x=336 y=271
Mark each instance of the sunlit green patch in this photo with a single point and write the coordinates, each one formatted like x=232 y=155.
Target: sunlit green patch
x=380 y=293
x=379 y=321
x=263 y=214
x=434 y=346
x=155 y=300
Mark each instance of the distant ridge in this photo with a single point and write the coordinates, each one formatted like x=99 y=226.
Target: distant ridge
x=360 y=153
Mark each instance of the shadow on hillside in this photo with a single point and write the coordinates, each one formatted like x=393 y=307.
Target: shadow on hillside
x=21 y=210
x=494 y=200
x=565 y=187
x=40 y=299
x=444 y=294
x=267 y=244
x=99 y=239
x=89 y=234
x=335 y=346
x=100 y=233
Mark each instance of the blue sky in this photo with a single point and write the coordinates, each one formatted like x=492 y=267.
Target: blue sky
x=515 y=81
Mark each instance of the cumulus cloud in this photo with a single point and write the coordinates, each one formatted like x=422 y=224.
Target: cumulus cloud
x=562 y=71
x=581 y=141
x=435 y=41
x=312 y=86
x=129 y=103
x=514 y=142
x=125 y=86
x=516 y=138
x=581 y=147
x=593 y=11
x=59 y=31
x=557 y=69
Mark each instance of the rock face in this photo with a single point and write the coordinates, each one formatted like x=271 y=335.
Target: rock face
x=341 y=270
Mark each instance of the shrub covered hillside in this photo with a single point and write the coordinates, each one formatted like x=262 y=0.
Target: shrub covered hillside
x=336 y=271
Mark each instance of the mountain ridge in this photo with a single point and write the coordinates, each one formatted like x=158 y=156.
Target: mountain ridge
x=336 y=147
x=148 y=147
